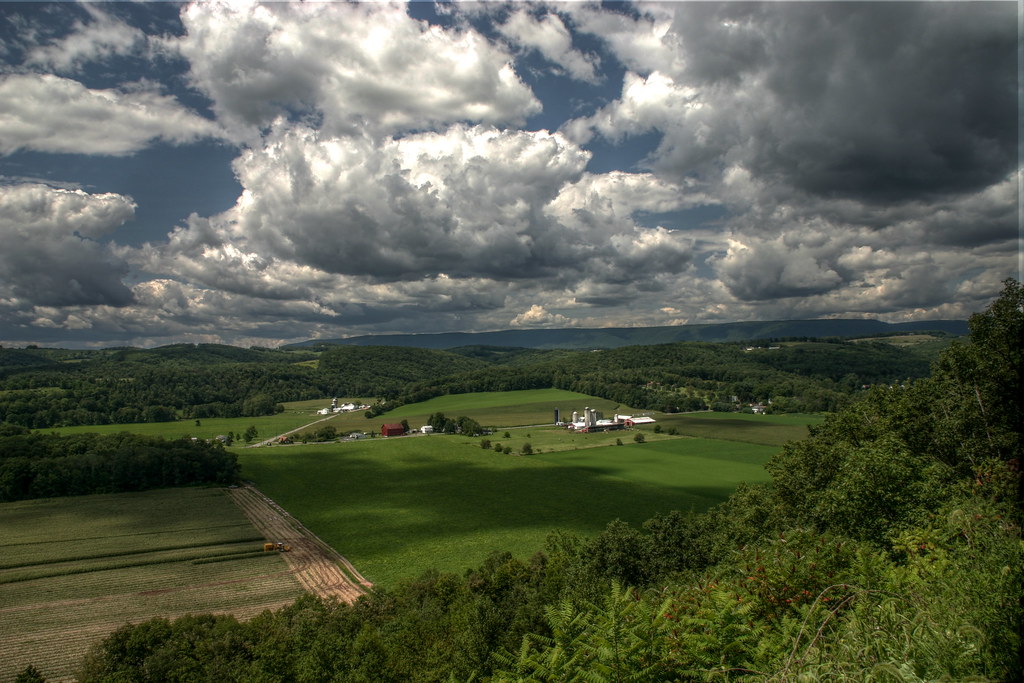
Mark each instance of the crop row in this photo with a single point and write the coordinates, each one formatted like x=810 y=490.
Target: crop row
x=30 y=635
x=249 y=538
x=136 y=581
x=240 y=555
x=133 y=534
x=143 y=559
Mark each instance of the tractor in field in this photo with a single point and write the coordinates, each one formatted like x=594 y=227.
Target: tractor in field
x=280 y=547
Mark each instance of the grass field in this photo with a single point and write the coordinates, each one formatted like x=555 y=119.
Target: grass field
x=771 y=430
x=396 y=507
x=504 y=409
x=500 y=409
x=494 y=408
x=74 y=569
x=295 y=415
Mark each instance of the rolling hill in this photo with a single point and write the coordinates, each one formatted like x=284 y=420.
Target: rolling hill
x=614 y=337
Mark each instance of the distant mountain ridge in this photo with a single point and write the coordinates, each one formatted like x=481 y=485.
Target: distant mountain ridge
x=614 y=337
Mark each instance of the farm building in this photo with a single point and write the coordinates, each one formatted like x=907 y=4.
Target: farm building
x=343 y=408
x=393 y=429
x=593 y=421
x=426 y=429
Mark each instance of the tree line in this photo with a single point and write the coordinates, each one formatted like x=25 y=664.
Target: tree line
x=886 y=546
x=36 y=465
x=42 y=388
x=687 y=376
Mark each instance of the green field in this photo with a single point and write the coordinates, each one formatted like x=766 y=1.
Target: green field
x=396 y=507
x=773 y=430
x=503 y=409
x=74 y=569
x=296 y=414
x=498 y=409
x=494 y=408
x=506 y=408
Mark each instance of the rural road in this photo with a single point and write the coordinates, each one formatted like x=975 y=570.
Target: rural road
x=267 y=442
x=317 y=567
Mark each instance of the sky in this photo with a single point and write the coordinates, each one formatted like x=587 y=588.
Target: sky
x=258 y=174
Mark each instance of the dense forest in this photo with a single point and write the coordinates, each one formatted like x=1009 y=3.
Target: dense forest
x=792 y=377
x=35 y=465
x=121 y=386
x=42 y=388
x=887 y=547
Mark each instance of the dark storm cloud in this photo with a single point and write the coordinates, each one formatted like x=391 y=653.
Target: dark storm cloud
x=878 y=101
x=50 y=256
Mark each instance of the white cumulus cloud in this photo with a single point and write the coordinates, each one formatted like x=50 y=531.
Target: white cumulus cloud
x=353 y=66
x=537 y=316
x=548 y=35
x=99 y=38
x=47 y=113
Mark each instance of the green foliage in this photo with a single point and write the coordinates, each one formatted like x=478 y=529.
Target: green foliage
x=469 y=427
x=29 y=674
x=976 y=420
x=460 y=425
x=386 y=371
x=134 y=385
x=34 y=465
x=625 y=639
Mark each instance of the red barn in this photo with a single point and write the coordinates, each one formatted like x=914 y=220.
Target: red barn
x=392 y=430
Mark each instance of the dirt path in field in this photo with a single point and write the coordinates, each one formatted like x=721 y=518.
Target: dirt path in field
x=317 y=566
x=272 y=440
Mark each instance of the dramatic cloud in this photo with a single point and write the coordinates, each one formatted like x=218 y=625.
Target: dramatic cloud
x=354 y=66
x=47 y=113
x=462 y=210
x=881 y=101
x=51 y=256
x=871 y=128
x=415 y=167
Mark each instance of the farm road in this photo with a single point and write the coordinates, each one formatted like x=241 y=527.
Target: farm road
x=317 y=567
x=273 y=439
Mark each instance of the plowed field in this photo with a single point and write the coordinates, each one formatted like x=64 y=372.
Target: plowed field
x=75 y=569
x=317 y=566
